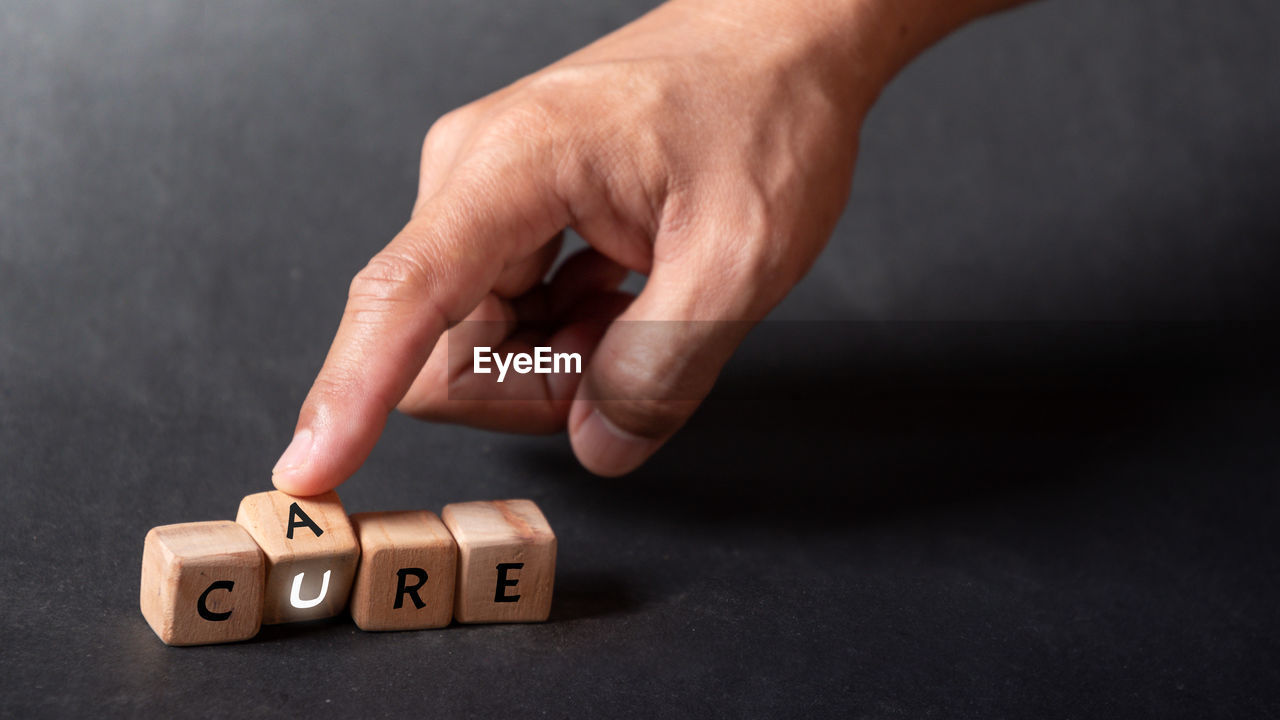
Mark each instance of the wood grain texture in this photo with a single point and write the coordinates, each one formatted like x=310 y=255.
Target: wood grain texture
x=267 y=516
x=214 y=567
x=506 y=550
x=406 y=558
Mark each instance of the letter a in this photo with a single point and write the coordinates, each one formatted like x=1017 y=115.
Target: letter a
x=297 y=518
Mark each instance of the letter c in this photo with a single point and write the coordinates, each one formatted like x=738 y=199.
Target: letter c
x=204 y=610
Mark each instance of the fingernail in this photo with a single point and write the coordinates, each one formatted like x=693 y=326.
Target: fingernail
x=295 y=456
x=612 y=450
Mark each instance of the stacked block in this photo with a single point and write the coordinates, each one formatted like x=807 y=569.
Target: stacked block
x=311 y=552
x=290 y=559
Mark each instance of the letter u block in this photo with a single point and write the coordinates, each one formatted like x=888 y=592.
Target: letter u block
x=311 y=553
x=506 y=561
x=202 y=583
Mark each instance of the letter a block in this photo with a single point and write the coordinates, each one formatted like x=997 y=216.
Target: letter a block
x=407 y=565
x=202 y=583
x=506 y=561
x=311 y=553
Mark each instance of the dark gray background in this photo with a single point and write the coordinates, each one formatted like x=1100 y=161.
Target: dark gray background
x=1022 y=462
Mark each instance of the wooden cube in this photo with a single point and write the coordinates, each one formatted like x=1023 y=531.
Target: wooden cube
x=506 y=561
x=407 y=565
x=202 y=583
x=311 y=553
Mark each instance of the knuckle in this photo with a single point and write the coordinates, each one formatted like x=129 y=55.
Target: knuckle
x=447 y=130
x=388 y=277
x=528 y=125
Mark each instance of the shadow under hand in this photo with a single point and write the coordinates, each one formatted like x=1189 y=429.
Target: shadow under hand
x=871 y=419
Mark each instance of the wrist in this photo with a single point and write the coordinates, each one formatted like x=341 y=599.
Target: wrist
x=857 y=46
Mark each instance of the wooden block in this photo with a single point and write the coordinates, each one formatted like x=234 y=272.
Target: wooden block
x=407 y=565
x=506 y=561
x=311 y=553
x=202 y=583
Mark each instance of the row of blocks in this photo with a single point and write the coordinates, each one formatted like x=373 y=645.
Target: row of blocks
x=288 y=559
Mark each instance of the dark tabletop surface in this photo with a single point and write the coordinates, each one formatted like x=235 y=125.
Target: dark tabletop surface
x=1009 y=451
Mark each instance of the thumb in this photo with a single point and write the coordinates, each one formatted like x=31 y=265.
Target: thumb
x=658 y=361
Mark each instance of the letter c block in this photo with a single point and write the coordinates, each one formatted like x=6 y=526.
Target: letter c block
x=311 y=553
x=202 y=583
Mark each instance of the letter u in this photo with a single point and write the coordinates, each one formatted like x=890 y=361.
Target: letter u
x=297 y=589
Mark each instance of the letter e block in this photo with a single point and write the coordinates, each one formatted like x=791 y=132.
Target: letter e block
x=202 y=583
x=408 y=561
x=506 y=561
x=311 y=553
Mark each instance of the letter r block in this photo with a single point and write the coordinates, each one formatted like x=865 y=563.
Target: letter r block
x=408 y=561
x=202 y=583
x=311 y=553
x=506 y=561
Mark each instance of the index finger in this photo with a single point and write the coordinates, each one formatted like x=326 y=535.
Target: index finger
x=436 y=270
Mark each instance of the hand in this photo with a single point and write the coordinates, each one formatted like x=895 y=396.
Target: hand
x=709 y=145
